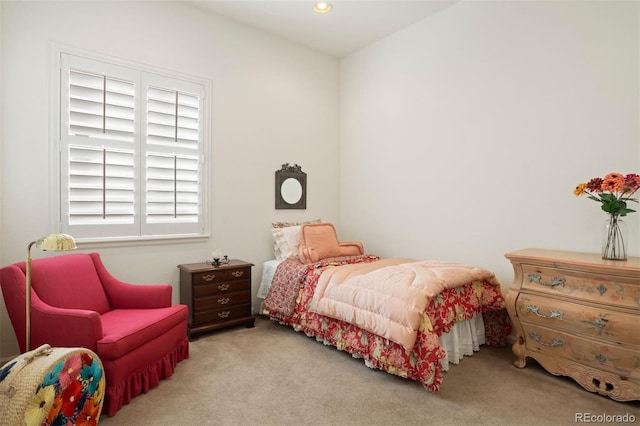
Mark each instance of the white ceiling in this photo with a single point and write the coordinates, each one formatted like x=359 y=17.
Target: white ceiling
x=349 y=26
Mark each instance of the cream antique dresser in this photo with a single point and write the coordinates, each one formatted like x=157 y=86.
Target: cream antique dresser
x=578 y=316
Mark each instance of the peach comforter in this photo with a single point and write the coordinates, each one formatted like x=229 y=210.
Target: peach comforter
x=388 y=297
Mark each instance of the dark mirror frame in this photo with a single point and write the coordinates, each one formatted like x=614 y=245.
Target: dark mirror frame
x=287 y=171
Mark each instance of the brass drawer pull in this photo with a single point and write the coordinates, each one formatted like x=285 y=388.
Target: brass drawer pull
x=223 y=287
x=224 y=314
x=555 y=342
x=237 y=274
x=223 y=301
x=554 y=282
x=209 y=277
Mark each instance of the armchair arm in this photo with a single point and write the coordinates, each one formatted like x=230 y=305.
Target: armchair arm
x=49 y=324
x=64 y=327
x=123 y=295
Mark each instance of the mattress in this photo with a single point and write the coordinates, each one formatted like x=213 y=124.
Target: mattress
x=268 y=271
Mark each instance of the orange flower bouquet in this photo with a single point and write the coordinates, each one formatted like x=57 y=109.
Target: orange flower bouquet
x=613 y=192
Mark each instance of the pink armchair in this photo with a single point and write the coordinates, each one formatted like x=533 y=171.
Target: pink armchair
x=76 y=302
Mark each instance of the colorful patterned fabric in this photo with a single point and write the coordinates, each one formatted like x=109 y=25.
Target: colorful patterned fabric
x=75 y=390
x=70 y=393
x=289 y=306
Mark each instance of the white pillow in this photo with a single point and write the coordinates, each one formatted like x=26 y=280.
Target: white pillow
x=286 y=241
x=276 y=227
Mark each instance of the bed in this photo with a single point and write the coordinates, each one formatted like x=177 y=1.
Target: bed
x=454 y=321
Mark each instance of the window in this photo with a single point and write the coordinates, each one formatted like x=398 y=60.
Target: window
x=133 y=159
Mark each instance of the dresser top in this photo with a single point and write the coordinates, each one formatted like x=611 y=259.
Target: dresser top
x=575 y=259
x=202 y=266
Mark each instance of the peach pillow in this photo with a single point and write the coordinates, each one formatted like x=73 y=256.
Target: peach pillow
x=320 y=241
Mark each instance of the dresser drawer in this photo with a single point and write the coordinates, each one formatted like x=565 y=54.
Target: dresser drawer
x=609 y=289
x=222 y=301
x=220 y=275
x=619 y=327
x=204 y=290
x=623 y=361
x=222 y=315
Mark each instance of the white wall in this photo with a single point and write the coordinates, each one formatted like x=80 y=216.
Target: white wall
x=273 y=102
x=463 y=136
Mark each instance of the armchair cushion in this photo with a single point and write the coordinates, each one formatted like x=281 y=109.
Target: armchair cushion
x=127 y=329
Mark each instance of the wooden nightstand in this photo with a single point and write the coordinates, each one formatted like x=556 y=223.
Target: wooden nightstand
x=217 y=296
x=578 y=316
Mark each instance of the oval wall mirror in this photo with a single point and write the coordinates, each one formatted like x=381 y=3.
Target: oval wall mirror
x=291 y=190
x=291 y=187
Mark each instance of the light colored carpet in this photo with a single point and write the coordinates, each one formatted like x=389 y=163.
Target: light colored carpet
x=272 y=375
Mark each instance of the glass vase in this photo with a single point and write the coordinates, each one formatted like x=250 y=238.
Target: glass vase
x=614 y=238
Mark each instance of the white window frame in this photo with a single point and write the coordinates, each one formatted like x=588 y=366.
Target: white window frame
x=140 y=231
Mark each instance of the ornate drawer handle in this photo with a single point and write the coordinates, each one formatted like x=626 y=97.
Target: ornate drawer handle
x=554 y=282
x=237 y=274
x=223 y=287
x=224 y=314
x=223 y=301
x=600 y=324
x=555 y=342
x=209 y=277
x=552 y=312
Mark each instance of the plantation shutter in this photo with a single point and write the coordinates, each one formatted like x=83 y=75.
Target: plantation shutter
x=173 y=151
x=101 y=186
x=131 y=151
x=172 y=188
x=101 y=106
x=172 y=117
x=98 y=131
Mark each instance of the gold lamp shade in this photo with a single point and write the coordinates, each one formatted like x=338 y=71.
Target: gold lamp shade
x=56 y=242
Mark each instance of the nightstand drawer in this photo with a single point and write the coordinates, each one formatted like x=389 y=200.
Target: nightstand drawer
x=222 y=301
x=595 y=321
x=204 y=290
x=222 y=315
x=221 y=275
x=609 y=289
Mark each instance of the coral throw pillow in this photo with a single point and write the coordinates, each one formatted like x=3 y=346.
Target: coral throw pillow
x=320 y=241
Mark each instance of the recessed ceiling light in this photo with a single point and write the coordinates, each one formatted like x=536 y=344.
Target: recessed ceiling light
x=322 y=7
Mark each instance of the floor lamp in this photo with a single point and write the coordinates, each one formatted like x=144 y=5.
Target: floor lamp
x=52 y=242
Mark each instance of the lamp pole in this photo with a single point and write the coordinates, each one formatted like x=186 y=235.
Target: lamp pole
x=27 y=344
x=53 y=242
